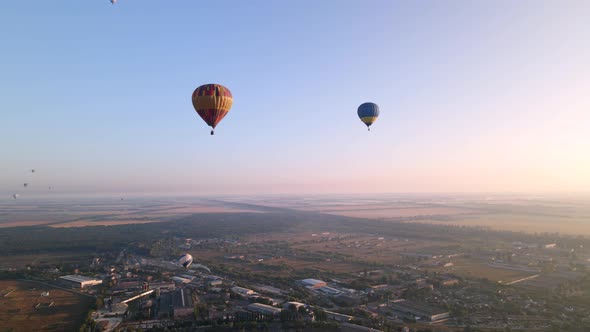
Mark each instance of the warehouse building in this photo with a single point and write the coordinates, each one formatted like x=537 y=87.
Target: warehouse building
x=177 y=304
x=263 y=309
x=419 y=310
x=242 y=291
x=297 y=305
x=338 y=317
x=313 y=283
x=329 y=290
x=76 y=281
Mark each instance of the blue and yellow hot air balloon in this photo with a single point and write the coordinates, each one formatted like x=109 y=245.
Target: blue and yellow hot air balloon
x=368 y=112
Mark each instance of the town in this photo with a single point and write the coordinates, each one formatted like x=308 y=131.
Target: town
x=308 y=282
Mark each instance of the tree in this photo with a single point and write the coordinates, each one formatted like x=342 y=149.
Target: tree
x=320 y=315
x=284 y=315
x=302 y=310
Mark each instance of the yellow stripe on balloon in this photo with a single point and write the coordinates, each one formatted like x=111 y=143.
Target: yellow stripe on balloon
x=213 y=102
x=369 y=119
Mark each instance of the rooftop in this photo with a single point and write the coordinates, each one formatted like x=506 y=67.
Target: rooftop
x=418 y=307
x=181 y=298
x=313 y=281
x=263 y=307
x=77 y=278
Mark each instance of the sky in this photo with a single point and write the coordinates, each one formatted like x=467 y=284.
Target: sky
x=475 y=96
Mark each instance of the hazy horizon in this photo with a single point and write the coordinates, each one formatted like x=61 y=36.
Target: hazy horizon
x=41 y=195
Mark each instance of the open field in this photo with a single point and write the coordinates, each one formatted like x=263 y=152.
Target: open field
x=523 y=213
x=477 y=269
x=45 y=259
x=322 y=266
x=551 y=280
x=60 y=311
x=84 y=223
x=24 y=223
x=514 y=213
x=371 y=248
x=578 y=225
x=380 y=211
x=103 y=212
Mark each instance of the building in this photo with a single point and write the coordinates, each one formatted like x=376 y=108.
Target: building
x=163 y=285
x=215 y=283
x=270 y=300
x=127 y=285
x=187 y=276
x=380 y=287
x=263 y=309
x=181 y=280
x=422 y=311
x=347 y=300
x=242 y=290
x=177 y=304
x=270 y=289
x=287 y=305
x=313 y=283
x=77 y=281
x=354 y=327
x=338 y=317
x=449 y=282
x=329 y=290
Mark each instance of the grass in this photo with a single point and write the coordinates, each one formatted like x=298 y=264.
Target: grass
x=473 y=269
x=18 y=312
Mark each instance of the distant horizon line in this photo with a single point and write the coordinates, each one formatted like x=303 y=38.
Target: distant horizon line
x=23 y=196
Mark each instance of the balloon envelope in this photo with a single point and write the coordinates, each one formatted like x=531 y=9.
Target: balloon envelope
x=368 y=113
x=212 y=102
x=185 y=260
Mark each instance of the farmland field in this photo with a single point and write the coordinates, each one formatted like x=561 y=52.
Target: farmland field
x=103 y=212
x=23 y=308
x=477 y=269
x=527 y=214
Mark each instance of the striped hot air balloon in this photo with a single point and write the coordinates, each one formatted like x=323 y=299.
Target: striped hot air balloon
x=212 y=102
x=368 y=112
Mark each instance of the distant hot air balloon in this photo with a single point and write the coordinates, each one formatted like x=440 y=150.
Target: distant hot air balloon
x=33 y=170
x=25 y=184
x=212 y=102
x=113 y=2
x=368 y=112
x=185 y=260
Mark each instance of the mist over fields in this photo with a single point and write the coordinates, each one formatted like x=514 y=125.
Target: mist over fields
x=563 y=214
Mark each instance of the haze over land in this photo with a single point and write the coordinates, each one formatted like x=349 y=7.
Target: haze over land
x=531 y=213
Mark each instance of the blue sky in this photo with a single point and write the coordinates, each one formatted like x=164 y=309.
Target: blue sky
x=474 y=96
